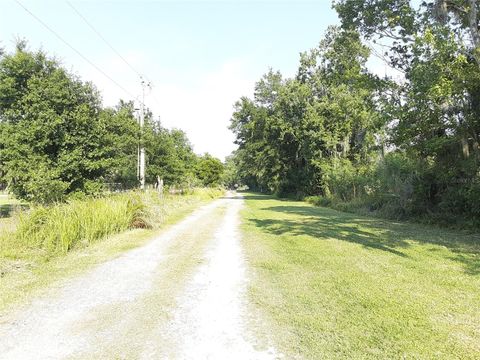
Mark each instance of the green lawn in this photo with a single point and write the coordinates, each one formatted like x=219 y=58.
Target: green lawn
x=337 y=285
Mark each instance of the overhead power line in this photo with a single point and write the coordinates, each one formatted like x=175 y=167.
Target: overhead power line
x=74 y=49
x=103 y=39
x=143 y=78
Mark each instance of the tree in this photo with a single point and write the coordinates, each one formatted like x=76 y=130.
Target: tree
x=170 y=157
x=209 y=170
x=437 y=106
x=293 y=128
x=56 y=138
x=231 y=178
x=58 y=141
x=47 y=118
x=120 y=143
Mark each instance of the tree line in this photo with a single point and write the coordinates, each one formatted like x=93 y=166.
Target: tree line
x=405 y=146
x=58 y=141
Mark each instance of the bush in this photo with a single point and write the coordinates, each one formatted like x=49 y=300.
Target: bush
x=399 y=187
x=319 y=201
x=344 y=181
x=209 y=170
x=206 y=193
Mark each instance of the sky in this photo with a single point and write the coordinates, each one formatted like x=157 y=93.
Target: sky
x=200 y=56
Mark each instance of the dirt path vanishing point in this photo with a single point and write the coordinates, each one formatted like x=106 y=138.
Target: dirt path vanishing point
x=181 y=296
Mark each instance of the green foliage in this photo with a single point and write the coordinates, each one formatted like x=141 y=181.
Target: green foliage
x=57 y=229
x=206 y=193
x=209 y=170
x=58 y=143
x=402 y=149
x=318 y=201
x=230 y=177
x=296 y=129
x=343 y=180
x=120 y=140
x=56 y=139
x=170 y=156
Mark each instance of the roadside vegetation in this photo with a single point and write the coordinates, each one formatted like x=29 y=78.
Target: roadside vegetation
x=338 y=285
x=68 y=173
x=48 y=243
x=405 y=145
x=57 y=141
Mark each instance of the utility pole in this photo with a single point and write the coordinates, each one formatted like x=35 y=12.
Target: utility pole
x=141 y=145
x=141 y=151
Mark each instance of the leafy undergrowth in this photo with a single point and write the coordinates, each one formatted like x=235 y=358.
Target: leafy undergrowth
x=338 y=285
x=48 y=243
x=387 y=207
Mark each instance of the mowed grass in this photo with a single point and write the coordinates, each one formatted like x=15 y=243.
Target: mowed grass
x=335 y=285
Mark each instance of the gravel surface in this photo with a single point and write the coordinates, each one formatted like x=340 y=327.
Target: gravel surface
x=206 y=322
x=209 y=320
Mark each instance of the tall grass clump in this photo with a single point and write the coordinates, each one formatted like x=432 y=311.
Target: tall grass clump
x=58 y=228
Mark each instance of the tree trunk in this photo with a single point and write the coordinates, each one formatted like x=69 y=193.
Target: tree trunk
x=440 y=11
x=473 y=23
x=465 y=147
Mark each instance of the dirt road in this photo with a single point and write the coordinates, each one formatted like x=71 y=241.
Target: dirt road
x=181 y=296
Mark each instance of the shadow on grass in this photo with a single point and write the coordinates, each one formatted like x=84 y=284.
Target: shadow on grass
x=6 y=210
x=250 y=196
x=373 y=233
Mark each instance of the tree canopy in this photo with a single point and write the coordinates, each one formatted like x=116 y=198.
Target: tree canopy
x=407 y=146
x=57 y=140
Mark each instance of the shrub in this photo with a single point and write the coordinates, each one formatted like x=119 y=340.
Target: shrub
x=399 y=187
x=319 y=201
